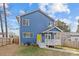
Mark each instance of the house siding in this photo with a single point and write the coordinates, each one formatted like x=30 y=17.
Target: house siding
x=38 y=23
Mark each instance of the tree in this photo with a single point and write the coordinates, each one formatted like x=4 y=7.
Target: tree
x=5 y=19
x=78 y=27
x=1 y=26
x=1 y=23
x=63 y=26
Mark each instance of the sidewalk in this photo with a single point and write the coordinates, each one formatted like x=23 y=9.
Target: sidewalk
x=65 y=50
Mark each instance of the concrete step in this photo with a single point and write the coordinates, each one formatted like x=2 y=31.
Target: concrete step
x=42 y=45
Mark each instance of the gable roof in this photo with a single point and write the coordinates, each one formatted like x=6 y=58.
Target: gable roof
x=40 y=11
x=49 y=29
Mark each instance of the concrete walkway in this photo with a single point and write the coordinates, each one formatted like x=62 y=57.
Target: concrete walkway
x=8 y=50
x=65 y=50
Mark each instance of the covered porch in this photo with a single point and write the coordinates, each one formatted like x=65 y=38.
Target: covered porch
x=49 y=37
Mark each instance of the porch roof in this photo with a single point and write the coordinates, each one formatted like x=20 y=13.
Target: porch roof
x=51 y=30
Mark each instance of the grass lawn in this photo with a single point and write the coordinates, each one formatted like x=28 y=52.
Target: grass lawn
x=36 y=51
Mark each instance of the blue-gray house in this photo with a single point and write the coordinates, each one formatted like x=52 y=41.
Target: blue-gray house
x=32 y=26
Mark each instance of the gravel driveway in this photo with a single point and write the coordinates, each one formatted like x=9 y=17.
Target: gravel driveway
x=8 y=50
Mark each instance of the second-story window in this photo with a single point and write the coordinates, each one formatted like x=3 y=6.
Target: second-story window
x=50 y=23
x=25 y=22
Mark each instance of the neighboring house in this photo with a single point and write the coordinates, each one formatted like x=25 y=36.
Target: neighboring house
x=32 y=24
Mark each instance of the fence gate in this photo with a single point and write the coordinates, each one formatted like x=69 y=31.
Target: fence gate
x=4 y=41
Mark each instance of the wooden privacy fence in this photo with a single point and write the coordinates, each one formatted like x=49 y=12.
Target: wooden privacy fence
x=73 y=44
x=4 y=41
x=69 y=39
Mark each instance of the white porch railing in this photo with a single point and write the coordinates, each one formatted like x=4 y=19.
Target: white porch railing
x=53 y=42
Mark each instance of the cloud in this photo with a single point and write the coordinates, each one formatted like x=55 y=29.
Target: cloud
x=65 y=20
x=22 y=12
x=51 y=9
x=6 y=5
x=61 y=8
x=8 y=12
x=74 y=26
x=42 y=6
x=77 y=18
x=30 y=4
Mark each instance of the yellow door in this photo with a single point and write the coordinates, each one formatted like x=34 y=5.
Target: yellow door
x=39 y=38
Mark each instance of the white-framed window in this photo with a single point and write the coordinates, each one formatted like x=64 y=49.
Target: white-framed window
x=25 y=22
x=27 y=34
x=48 y=36
x=51 y=23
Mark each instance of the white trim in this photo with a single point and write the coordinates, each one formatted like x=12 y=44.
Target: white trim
x=19 y=38
x=59 y=28
x=26 y=21
x=53 y=28
x=19 y=33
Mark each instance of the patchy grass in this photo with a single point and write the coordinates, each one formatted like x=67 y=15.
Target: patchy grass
x=30 y=50
x=36 y=51
x=58 y=47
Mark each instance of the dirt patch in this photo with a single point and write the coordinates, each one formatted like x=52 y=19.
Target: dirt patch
x=8 y=50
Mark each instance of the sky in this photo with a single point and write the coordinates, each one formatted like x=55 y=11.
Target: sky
x=67 y=13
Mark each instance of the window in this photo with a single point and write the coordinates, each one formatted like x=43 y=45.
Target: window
x=48 y=36
x=52 y=36
x=25 y=22
x=28 y=35
x=50 y=23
